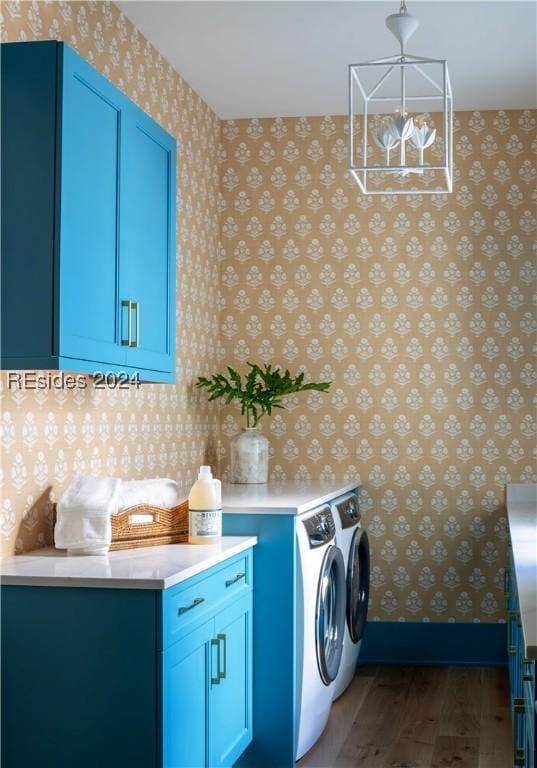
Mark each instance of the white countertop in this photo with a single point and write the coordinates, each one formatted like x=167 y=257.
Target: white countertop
x=289 y=498
x=522 y=517
x=142 y=568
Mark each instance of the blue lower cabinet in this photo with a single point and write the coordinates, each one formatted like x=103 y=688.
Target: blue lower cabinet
x=521 y=680
x=104 y=678
x=186 y=699
x=232 y=694
x=79 y=672
x=207 y=691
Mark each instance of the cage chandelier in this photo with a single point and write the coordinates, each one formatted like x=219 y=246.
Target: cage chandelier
x=401 y=120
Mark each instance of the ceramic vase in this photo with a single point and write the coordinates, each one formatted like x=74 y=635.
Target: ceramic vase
x=249 y=457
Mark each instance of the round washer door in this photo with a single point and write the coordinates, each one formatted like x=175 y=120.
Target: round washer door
x=330 y=614
x=358 y=584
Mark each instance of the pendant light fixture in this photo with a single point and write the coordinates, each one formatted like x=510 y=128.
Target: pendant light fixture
x=401 y=120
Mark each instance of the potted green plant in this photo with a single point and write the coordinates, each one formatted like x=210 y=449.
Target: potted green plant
x=258 y=391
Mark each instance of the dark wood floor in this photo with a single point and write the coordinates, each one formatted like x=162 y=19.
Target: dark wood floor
x=418 y=717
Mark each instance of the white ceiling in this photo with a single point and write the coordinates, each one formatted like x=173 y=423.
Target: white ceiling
x=280 y=58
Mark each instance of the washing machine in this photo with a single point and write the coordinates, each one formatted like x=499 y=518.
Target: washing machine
x=321 y=607
x=354 y=544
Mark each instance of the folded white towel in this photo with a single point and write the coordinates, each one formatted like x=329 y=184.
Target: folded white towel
x=83 y=524
x=83 y=521
x=160 y=492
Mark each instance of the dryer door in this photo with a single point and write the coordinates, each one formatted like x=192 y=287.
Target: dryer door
x=358 y=584
x=330 y=614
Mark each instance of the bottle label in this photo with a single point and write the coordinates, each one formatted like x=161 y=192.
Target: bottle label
x=205 y=522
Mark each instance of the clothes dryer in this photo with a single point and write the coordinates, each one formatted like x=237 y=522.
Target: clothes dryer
x=354 y=544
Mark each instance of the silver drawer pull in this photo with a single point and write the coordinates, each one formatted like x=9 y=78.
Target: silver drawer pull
x=127 y=304
x=193 y=604
x=215 y=679
x=223 y=638
x=511 y=647
x=519 y=707
x=528 y=675
x=135 y=307
x=235 y=579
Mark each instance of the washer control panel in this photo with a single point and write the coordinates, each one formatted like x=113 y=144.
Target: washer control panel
x=348 y=510
x=320 y=527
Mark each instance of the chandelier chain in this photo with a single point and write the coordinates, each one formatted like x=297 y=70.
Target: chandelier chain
x=403 y=8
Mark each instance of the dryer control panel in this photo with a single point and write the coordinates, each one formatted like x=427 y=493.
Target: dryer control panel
x=348 y=510
x=320 y=528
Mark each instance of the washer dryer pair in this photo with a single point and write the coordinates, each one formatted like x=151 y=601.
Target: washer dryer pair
x=354 y=544
x=332 y=596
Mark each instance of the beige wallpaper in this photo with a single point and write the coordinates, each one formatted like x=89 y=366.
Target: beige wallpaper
x=420 y=311
x=159 y=430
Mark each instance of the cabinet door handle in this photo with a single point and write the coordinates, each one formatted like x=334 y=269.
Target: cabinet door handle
x=511 y=649
x=215 y=679
x=222 y=674
x=506 y=582
x=184 y=608
x=134 y=307
x=235 y=579
x=126 y=304
x=519 y=707
x=527 y=671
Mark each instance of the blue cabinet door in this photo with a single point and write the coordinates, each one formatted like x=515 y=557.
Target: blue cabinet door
x=231 y=711
x=92 y=117
x=147 y=243
x=186 y=670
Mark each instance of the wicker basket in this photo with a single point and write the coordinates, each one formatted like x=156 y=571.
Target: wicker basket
x=133 y=527
x=167 y=526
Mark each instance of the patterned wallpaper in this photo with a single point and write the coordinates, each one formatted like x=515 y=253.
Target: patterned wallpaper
x=420 y=311
x=158 y=430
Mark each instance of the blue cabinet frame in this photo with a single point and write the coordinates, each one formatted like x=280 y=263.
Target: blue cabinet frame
x=79 y=678
x=114 y=677
x=275 y=638
x=88 y=221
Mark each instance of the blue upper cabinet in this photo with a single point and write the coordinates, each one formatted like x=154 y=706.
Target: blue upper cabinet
x=88 y=221
x=148 y=238
x=92 y=135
